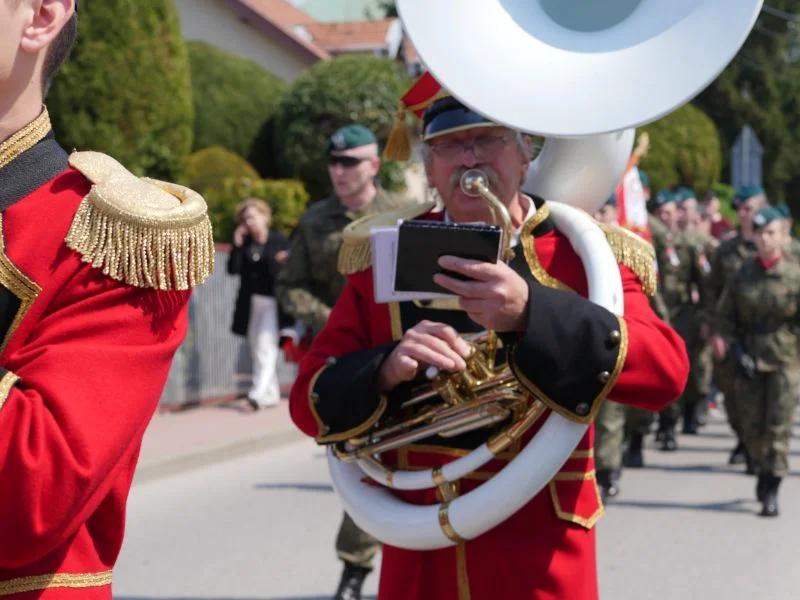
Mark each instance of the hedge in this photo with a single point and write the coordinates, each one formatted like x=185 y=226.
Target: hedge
x=126 y=90
x=211 y=167
x=234 y=98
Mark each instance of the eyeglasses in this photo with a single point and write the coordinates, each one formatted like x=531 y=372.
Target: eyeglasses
x=485 y=145
x=345 y=161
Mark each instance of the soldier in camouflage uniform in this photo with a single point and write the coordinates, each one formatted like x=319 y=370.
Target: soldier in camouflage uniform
x=757 y=324
x=309 y=285
x=727 y=261
x=681 y=271
x=689 y=218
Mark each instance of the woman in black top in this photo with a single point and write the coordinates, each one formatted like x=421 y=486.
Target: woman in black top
x=256 y=257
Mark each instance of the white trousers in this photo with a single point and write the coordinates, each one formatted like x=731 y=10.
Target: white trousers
x=262 y=337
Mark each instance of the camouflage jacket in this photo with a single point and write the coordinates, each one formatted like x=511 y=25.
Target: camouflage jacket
x=683 y=266
x=309 y=282
x=759 y=311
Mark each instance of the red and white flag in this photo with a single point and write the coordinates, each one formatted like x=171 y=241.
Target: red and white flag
x=631 y=204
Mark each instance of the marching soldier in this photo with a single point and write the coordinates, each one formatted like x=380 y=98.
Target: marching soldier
x=94 y=299
x=757 y=325
x=680 y=268
x=727 y=261
x=361 y=364
x=309 y=285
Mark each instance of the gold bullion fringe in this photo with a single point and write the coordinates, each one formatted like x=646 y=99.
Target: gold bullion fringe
x=355 y=255
x=635 y=253
x=140 y=254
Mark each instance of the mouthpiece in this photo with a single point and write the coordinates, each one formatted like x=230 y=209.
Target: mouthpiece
x=470 y=181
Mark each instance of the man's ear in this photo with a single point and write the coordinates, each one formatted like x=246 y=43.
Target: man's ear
x=48 y=19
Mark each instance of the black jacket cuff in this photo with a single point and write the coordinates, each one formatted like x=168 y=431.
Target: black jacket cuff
x=571 y=352
x=344 y=394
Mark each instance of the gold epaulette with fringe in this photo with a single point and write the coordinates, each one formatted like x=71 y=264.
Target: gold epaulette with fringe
x=635 y=253
x=356 y=252
x=146 y=233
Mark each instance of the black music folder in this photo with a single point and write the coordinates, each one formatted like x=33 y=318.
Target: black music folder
x=420 y=244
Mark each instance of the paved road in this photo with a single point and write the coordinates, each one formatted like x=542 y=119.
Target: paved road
x=261 y=527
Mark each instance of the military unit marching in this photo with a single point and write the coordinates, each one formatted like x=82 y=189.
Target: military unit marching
x=732 y=295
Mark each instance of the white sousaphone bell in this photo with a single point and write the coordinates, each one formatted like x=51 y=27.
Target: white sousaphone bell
x=583 y=74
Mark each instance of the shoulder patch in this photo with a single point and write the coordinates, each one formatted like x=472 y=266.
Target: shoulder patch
x=146 y=233
x=635 y=253
x=356 y=252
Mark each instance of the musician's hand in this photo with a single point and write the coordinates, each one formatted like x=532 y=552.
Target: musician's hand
x=497 y=299
x=430 y=343
x=719 y=347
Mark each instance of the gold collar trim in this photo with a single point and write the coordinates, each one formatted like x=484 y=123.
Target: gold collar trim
x=25 y=139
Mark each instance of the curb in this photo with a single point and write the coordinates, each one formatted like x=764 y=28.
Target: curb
x=212 y=456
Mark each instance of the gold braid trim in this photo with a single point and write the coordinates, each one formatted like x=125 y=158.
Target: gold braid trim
x=146 y=233
x=36 y=583
x=635 y=253
x=356 y=252
x=25 y=139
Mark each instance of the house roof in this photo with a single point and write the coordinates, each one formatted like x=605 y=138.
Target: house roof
x=277 y=19
x=327 y=11
x=355 y=35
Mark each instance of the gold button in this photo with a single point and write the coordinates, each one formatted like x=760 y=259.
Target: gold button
x=582 y=409
x=614 y=337
x=315 y=397
x=604 y=376
x=330 y=361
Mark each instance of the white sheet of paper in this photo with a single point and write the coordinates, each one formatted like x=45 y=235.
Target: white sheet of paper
x=383 y=242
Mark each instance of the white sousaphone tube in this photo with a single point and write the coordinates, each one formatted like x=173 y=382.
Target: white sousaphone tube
x=397 y=523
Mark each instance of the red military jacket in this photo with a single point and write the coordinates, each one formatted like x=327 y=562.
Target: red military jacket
x=572 y=356
x=86 y=345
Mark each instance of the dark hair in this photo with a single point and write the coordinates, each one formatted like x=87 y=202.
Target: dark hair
x=59 y=51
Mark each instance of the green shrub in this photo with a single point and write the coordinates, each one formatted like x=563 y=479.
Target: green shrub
x=234 y=98
x=685 y=149
x=126 y=90
x=287 y=198
x=211 y=167
x=725 y=193
x=347 y=89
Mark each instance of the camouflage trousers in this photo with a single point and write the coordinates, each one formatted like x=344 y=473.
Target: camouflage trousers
x=767 y=404
x=613 y=424
x=725 y=378
x=354 y=545
x=697 y=387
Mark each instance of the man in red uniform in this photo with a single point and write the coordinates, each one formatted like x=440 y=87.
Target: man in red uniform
x=96 y=267
x=566 y=351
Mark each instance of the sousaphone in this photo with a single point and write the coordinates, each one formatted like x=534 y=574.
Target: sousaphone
x=583 y=74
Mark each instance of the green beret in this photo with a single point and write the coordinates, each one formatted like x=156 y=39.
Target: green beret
x=765 y=216
x=744 y=193
x=612 y=199
x=644 y=178
x=661 y=198
x=350 y=136
x=783 y=210
x=684 y=193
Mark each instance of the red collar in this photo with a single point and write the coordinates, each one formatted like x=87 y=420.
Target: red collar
x=767 y=265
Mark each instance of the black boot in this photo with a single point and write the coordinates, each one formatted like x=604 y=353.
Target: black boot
x=669 y=443
x=608 y=482
x=738 y=455
x=769 y=506
x=761 y=487
x=351 y=583
x=752 y=467
x=690 y=420
x=634 y=458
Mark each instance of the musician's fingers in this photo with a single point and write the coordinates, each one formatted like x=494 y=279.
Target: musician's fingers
x=449 y=335
x=474 y=269
x=465 y=289
x=406 y=367
x=434 y=351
